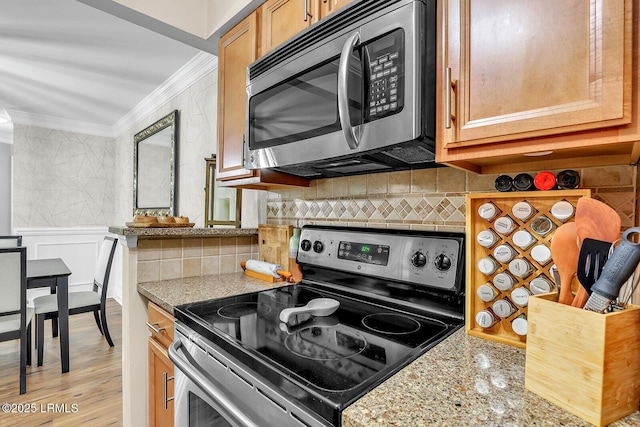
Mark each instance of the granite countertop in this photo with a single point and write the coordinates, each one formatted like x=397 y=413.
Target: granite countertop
x=182 y=231
x=172 y=293
x=462 y=381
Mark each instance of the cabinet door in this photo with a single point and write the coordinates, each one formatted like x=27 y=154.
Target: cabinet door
x=531 y=68
x=160 y=386
x=283 y=19
x=327 y=7
x=236 y=50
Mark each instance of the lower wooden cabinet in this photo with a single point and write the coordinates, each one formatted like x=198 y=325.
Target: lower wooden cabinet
x=160 y=368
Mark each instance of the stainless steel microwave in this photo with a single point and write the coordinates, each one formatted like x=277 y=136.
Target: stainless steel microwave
x=354 y=93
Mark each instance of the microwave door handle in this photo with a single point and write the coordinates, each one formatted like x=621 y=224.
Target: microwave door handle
x=343 y=90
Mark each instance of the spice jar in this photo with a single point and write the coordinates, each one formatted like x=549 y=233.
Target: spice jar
x=504 y=225
x=520 y=267
x=523 y=182
x=568 y=179
x=487 y=238
x=486 y=318
x=523 y=210
x=519 y=325
x=542 y=225
x=503 y=308
x=540 y=285
x=504 y=183
x=523 y=239
x=520 y=296
x=487 y=266
x=504 y=281
x=488 y=211
x=504 y=253
x=486 y=292
x=562 y=210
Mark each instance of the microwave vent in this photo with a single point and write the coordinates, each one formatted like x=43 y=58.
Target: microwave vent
x=411 y=155
x=337 y=22
x=359 y=168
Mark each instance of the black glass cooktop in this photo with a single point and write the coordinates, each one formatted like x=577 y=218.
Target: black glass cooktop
x=329 y=360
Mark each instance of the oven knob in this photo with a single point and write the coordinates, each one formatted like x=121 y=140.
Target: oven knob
x=418 y=259
x=305 y=245
x=442 y=262
x=318 y=246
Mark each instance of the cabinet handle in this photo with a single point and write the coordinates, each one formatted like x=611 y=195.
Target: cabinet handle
x=154 y=328
x=306 y=10
x=166 y=378
x=244 y=150
x=450 y=85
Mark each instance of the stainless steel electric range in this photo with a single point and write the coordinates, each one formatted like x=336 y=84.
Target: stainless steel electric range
x=236 y=363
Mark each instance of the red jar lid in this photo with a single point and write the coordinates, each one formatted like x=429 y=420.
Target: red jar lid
x=544 y=181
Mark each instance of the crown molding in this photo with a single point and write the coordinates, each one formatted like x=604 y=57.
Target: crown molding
x=201 y=64
x=50 y=122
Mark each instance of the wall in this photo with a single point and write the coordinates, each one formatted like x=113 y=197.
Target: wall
x=62 y=179
x=432 y=199
x=5 y=188
x=197 y=140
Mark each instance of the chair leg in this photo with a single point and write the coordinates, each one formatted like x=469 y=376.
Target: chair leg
x=40 y=337
x=29 y=356
x=97 y=317
x=23 y=363
x=54 y=326
x=105 y=329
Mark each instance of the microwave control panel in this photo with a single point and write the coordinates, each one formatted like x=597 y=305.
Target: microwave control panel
x=386 y=75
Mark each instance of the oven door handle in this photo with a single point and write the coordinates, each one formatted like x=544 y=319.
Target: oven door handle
x=343 y=90
x=187 y=365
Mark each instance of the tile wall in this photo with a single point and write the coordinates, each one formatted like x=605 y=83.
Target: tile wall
x=165 y=259
x=432 y=199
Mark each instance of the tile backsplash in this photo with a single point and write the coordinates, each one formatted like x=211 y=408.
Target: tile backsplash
x=166 y=259
x=432 y=199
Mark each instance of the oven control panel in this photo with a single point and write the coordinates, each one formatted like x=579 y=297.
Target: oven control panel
x=424 y=258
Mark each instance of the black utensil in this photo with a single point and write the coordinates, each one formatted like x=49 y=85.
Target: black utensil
x=591 y=259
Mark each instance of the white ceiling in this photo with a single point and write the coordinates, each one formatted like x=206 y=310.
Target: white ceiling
x=64 y=60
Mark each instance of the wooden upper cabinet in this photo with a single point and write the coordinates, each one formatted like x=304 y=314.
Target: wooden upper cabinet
x=236 y=50
x=327 y=7
x=521 y=71
x=283 y=19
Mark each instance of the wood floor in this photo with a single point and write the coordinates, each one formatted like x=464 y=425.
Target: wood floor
x=90 y=394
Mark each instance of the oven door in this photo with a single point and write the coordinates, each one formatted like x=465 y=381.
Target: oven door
x=361 y=90
x=199 y=401
x=213 y=390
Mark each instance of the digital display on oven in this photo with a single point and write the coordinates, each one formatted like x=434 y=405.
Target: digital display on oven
x=361 y=252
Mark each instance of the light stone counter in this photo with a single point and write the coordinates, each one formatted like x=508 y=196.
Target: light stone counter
x=172 y=293
x=463 y=381
x=169 y=232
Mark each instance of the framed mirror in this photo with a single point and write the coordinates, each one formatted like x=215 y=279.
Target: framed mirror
x=222 y=204
x=154 y=167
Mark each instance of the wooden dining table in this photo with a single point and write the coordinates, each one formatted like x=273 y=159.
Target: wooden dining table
x=54 y=274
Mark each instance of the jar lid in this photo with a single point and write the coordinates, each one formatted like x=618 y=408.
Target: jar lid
x=519 y=267
x=486 y=292
x=487 y=211
x=542 y=225
x=562 y=210
x=504 y=253
x=522 y=210
x=503 y=281
x=541 y=254
x=520 y=296
x=487 y=266
x=503 y=308
x=486 y=238
x=523 y=182
x=545 y=181
x=485 y=319
x=568 y=179
x=540 y=285
x=504 y=183
x=504 y=225
x=523 y=239
x=519 y=325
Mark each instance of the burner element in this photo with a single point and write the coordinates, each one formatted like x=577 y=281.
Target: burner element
x=325 y=343
x=390 y=323
x=238 y=310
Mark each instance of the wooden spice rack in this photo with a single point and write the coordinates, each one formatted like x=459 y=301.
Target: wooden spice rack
x=542 y=201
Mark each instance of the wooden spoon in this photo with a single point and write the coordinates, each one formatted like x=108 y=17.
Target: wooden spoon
x=564 y=250
x=594 y=220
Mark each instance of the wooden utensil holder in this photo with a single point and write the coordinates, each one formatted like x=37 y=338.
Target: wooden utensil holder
x=585 y=362
x=542 y=202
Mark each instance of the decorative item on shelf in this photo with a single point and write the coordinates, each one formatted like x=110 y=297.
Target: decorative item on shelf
x=162 y=221
x=504 y=183
x=545 y=181
x=568 y=179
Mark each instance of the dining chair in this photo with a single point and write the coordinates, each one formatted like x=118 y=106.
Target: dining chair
x=10 y=241
x=46 y=307
x=15 y=316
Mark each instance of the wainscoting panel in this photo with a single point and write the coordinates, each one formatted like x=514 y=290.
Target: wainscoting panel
x=78 y=247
